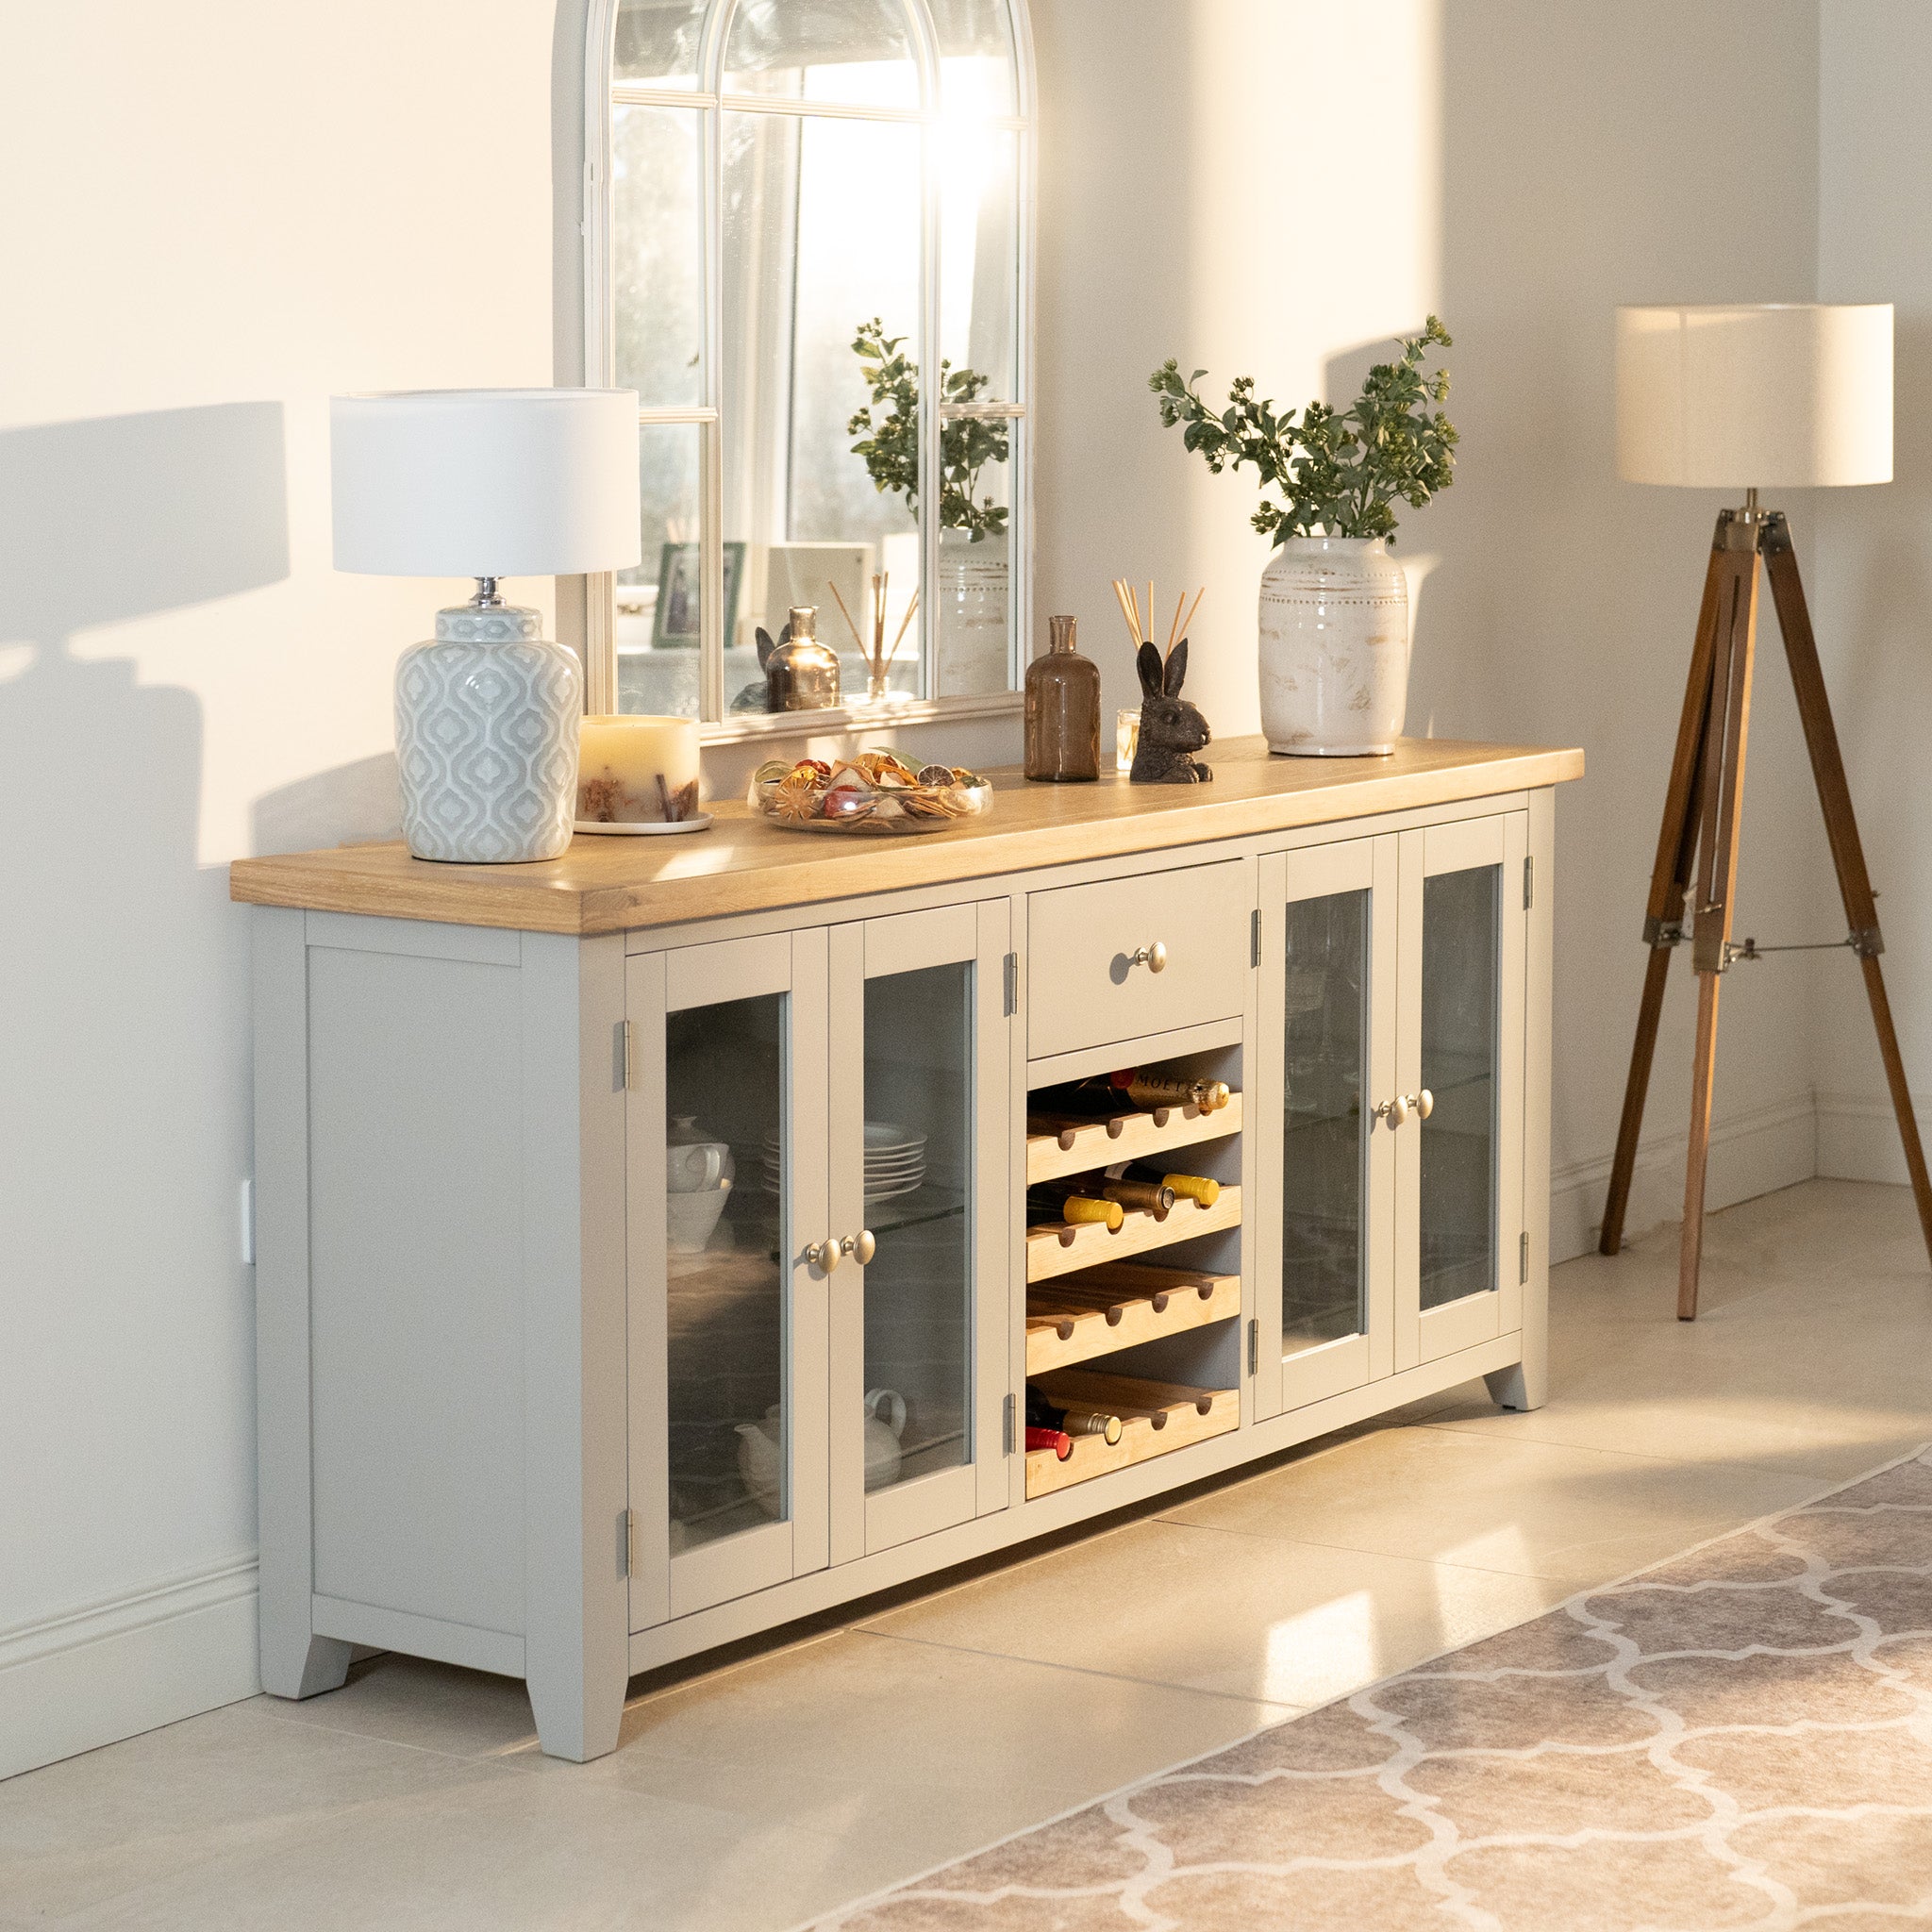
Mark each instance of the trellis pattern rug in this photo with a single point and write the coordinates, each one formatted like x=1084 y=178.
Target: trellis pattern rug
x=1740 y=1736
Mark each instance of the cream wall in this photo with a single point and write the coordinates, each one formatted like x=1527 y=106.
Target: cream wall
x=213 y=217
x=1872 y=596
x=216 y=219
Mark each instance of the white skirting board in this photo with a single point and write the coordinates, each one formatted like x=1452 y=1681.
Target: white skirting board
x=1751 y=1153
x=110 y=1670
x=1858 y=1137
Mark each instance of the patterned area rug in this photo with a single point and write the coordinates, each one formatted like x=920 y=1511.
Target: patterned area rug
x=1740 y=1736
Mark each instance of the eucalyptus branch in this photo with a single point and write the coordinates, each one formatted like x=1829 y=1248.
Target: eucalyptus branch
x=888 y=442
x=1339 y=473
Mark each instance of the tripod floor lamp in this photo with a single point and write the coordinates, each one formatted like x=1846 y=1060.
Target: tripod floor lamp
x=1791 y=395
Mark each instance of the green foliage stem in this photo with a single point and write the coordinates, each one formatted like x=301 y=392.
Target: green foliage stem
x=1339 y=472
x=890 y=442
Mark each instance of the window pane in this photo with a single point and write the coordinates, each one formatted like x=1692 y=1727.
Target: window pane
x=976 y=57
x=657 y=601
x=1461 y=929
x=657 y=267
x=726 y=1167
x=658 y=42
x=1326 y=1134
x=802 y=277
x=858 y=52
x=979 y=244
x=918 y=1180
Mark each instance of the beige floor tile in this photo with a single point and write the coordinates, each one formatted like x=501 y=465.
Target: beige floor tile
x=195 y=1794
x=507 y=1854
x=433 y=1706
x=1227 y=1613
x=1489 y=1502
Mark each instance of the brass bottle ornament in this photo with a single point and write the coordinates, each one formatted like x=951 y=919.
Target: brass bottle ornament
x=802 y=675
x=1064 y=712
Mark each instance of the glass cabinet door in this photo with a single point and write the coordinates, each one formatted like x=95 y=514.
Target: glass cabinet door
x=918 y=1166
x=1462 y=1051
x=1328 y=1000
x=726 y=1192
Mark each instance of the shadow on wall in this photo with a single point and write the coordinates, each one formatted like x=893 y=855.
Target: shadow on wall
x=120 y=966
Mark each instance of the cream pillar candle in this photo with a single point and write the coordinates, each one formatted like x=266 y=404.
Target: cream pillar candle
x=636 y=771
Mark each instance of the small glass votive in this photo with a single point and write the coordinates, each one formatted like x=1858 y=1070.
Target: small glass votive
x=638 y=774
x=1126 y=739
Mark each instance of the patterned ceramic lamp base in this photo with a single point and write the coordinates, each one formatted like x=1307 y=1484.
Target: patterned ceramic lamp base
x=487 y=723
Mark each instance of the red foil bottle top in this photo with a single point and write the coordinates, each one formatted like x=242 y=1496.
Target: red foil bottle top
x=1056 y=1440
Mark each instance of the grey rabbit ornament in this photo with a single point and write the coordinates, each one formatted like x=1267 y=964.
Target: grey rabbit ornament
x=1171 y=727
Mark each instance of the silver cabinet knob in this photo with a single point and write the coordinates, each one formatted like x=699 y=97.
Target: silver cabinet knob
x=1154 y=958
x=1424 y=1103
x=825 y=1255
x=861 y=1246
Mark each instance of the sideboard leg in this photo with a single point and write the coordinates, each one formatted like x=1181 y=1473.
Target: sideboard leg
x=296 y=1664
x=1517 y=1387
x=577 y=1712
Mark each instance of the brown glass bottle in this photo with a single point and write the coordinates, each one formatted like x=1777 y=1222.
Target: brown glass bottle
x=1064 y=712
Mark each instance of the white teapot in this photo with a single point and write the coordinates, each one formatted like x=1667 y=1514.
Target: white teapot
x=885 y=1423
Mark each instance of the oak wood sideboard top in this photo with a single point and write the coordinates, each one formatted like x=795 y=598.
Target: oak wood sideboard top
x=741 y=864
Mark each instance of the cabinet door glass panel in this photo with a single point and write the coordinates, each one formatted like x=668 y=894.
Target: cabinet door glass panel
x=918 y=1110
x=727 y=1169
x=1324 y=1144
x=1462 y=919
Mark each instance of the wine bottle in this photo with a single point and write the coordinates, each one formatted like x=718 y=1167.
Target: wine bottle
x=1076 y=1419
x=1056 y=1440
x=1129 y=1090
x=1184 y=1186
x=1046 y=1208
x=1144 y=1197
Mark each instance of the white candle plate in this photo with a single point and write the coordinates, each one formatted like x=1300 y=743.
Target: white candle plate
x=636 y=828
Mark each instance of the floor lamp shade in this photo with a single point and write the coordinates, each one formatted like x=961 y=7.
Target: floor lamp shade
x=1767 y=396
x=487 y=484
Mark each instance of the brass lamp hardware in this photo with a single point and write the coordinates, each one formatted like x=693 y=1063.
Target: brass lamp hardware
x=1422 y=1104
x=1154 y=958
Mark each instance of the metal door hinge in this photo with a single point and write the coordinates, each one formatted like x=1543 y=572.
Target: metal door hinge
x=1006 y=1424
x=1529 y=883
x=627 y=1057
x=1522 y=1261
x=1011 y=982
x=1254 y=1345
x=248 y=1223
x=1254 y=937
x=630 y=1542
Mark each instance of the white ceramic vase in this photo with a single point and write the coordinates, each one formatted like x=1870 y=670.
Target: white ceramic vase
x=487 y=715
x=1334 y=647
x=971 y=625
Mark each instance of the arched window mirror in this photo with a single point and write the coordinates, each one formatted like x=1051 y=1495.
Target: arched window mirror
x=799 y=209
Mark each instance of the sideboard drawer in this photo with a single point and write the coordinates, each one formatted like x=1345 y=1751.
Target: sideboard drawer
x=1082 y=986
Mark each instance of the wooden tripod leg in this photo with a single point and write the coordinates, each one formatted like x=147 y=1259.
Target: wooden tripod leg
x=1670 y=879
x=1841 y=828
x=1724 y=744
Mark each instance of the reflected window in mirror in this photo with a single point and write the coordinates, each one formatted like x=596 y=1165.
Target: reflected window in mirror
x=799 y=209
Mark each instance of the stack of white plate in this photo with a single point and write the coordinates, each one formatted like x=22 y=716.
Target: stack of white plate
x=894 y=1161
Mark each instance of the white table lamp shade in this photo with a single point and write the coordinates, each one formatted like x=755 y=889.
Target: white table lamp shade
x=485 y=482
x=1783 y=395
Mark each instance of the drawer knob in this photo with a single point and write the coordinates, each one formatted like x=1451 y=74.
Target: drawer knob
x=1154 y=958
x=825 y=1255
x=861 y=1246
x=1422 y=1104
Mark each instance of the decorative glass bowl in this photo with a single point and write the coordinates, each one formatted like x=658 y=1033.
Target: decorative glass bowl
x=874 y=793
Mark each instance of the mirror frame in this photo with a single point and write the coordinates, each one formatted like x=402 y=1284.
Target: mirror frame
x=585 y=274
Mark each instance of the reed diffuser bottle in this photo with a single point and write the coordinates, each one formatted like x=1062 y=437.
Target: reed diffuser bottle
x=1064 y=712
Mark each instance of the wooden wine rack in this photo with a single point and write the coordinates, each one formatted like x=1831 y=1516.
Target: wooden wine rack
x=1066 y=1250
x=1081 y=1146
x=1172 y=1416
x=1115 y=1306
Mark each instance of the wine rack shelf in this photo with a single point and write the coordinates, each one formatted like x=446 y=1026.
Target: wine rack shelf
x=1054 y=1251
x=1080 y=1316
x=1168 y=1417
x=1080 y=1146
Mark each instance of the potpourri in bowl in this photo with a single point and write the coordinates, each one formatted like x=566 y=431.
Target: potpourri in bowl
x=876 y=792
